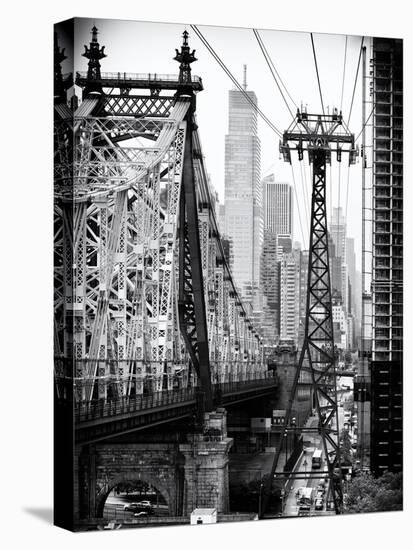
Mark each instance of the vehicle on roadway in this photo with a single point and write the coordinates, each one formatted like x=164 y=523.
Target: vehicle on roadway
x=143 y=505
x=319 y=504
x=317 y=458
x=131 y=507
x=304 y=499
x=321 y=487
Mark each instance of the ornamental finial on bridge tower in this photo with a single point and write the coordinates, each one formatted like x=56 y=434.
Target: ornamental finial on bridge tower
x=185 y=57
x=94 y=53
x=59 y=87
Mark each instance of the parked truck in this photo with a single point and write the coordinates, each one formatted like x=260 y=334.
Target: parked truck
x=304 y=499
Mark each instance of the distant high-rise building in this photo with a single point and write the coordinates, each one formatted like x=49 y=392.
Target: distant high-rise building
x=221 y=219
x=357 y=307
x=339 y=323
x=338 y=232
x=351 y=260
x=303 y=293
x=335 y=268
x=284 y=244
x=387 y=263
x=339 y=264
x=289 y=295
x=243 y=196
x=278 y=206
x=270 y=275
x=350 y=332
x=345 y=287
x=351 y=266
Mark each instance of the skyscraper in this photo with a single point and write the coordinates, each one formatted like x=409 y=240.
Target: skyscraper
x=338 y=236
x=387 y=264
x=278 y=206
x=335 y=267
x=303 y=293
x=338 y=232
x=289 y=295
x=351 y=261
x=284 y=244
x=243 y=196
x=278 y=222
x=270 y=275
x=355 y=294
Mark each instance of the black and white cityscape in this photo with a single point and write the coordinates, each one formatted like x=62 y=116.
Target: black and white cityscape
x=228 y=274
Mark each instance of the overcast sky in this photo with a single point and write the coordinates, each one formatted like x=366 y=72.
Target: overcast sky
x=150 y=47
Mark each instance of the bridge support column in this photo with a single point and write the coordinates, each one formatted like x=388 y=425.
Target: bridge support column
x=86 y=477
x=206 y=465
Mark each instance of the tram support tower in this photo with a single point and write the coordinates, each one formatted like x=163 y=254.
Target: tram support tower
x=319 y=135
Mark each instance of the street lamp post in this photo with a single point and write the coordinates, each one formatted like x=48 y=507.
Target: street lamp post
x=294 y=425
x=260 y=498
x=286 y=448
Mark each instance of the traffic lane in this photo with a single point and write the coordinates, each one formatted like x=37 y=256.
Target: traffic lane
x=290 y=503
x=114 y=509
x=303 y=466
x=313 y=477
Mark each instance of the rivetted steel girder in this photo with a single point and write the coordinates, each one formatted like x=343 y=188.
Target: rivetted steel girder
x=316 y=133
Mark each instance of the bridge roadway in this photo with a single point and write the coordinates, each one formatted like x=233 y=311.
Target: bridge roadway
x=99 y=420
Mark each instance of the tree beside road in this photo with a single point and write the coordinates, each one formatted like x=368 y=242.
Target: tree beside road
x=369 y=494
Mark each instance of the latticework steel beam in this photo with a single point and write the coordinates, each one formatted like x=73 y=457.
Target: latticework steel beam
x=316 y=134
x=129 y=178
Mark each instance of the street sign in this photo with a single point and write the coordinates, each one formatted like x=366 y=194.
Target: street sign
x=278 y=416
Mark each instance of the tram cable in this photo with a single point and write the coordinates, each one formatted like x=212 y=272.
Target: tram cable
x=235 y=81
x=273 y=70
x=318 y=76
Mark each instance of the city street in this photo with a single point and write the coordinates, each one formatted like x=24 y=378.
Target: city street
x=114 y=506
x=304 y=465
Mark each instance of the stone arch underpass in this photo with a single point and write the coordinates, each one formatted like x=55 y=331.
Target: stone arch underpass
x=107 y=465
x=188 y=475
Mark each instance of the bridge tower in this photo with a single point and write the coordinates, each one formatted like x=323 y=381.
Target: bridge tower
x=59 y=85
x=319 y=135
x=94 y=53
x=192 y=313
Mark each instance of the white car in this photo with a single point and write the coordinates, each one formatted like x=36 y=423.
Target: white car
x=138 y=506
x=131 y=507
x=319 y=504
x=145 y=504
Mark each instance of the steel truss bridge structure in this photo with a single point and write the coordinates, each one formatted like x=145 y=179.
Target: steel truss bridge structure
x=145 y=302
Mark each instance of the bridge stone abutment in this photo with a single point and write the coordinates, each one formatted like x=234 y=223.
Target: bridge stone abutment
x=206 y=465
x=188 y=475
